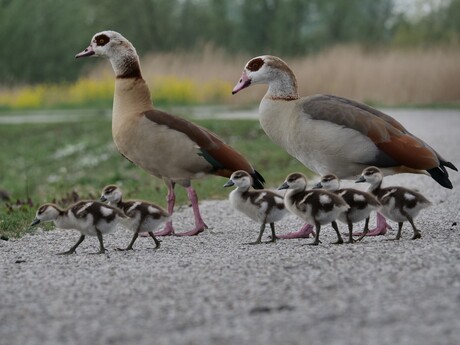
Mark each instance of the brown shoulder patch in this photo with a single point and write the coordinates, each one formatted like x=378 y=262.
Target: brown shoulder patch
x=228 y=159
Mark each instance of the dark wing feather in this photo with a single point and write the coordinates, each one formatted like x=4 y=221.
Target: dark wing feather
x=224 y=159
x=396 y=145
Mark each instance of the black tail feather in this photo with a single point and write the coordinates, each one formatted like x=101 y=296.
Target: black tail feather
x=257 y=180
x=440 y=175
x=449 y=165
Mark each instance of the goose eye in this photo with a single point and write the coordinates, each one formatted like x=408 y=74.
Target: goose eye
x=102 y=40
x=255 y=64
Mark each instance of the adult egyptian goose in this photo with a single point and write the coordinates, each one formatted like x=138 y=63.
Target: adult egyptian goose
x=315 y=206
x=146 y=216
x=262 y=206
x=398 y=203
x=164 y=145
x=331 y=134
x=361 y=203
x=90 y=218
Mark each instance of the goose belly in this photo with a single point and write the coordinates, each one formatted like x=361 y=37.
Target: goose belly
x=322 y=146
x=106 y=227
x=160 y=150
x=150 y=224
x=305 y=214
x=390 y=211
x=276 y=215
x=328 y=148
x=356 y=215
x=326 y=217
x=133 y=222
x=84 y=225
x=246 y=207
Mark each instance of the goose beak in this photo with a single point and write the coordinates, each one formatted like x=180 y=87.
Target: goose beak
x=229 y=183
x=87 y=52
x=103 y=198
x=318 y=186
x=35 y=222
x=360 y=179
x=284 y=186
x=243 y=83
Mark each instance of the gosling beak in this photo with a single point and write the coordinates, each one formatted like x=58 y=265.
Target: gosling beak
x=360 y=179
x=103 y=198
x=285 y=185
x=229 y=183
x=35 y=222
x=319 y=185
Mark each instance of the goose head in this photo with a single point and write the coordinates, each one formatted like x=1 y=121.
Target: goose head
x=371 y=175
x=295 y=181
x=117 y=49
x=329 y=182
x=107 y=44
x=271 y=70
x=46 y=212
x=239 y=178
x=111 y=193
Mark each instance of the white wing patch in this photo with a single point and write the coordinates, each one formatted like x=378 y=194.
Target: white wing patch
x=388 y=193
x=306 y=197
x=132 y=208
x=324 y=199
x=84 y=208
x=409 y=196
x=279 y=200
x=358 y=197
x=152 y=210
x=106 y=211
x=260 y=197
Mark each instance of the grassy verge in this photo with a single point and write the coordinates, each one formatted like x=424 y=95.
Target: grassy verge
x=61 y=162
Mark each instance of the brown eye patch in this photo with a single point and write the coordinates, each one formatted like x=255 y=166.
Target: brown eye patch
x=327 y=178
x=255 y=64
x=109 y=189
x=102 y=40
x=293 y=177
x=240 y=175
x=370 y=172
x=42 y=209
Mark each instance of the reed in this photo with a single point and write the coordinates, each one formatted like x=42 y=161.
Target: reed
x=391 y=77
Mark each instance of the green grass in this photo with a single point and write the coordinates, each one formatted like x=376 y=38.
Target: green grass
x=48 y=162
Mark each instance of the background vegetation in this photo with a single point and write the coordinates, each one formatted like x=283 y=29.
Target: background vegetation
x=40 y=38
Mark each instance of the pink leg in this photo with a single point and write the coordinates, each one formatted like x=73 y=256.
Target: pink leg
x=199 y=223
x=304 y=232
x=171 y=199
x=380 y=229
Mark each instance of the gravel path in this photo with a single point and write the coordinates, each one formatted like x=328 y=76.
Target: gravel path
x=214 y=289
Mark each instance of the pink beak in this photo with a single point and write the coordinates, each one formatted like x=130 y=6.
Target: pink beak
x=243 y=83
x=87 y=52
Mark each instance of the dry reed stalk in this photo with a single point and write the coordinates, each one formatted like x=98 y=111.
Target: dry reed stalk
x=382 y=76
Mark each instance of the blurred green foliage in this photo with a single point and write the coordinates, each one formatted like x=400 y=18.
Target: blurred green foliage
x=40 y=38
